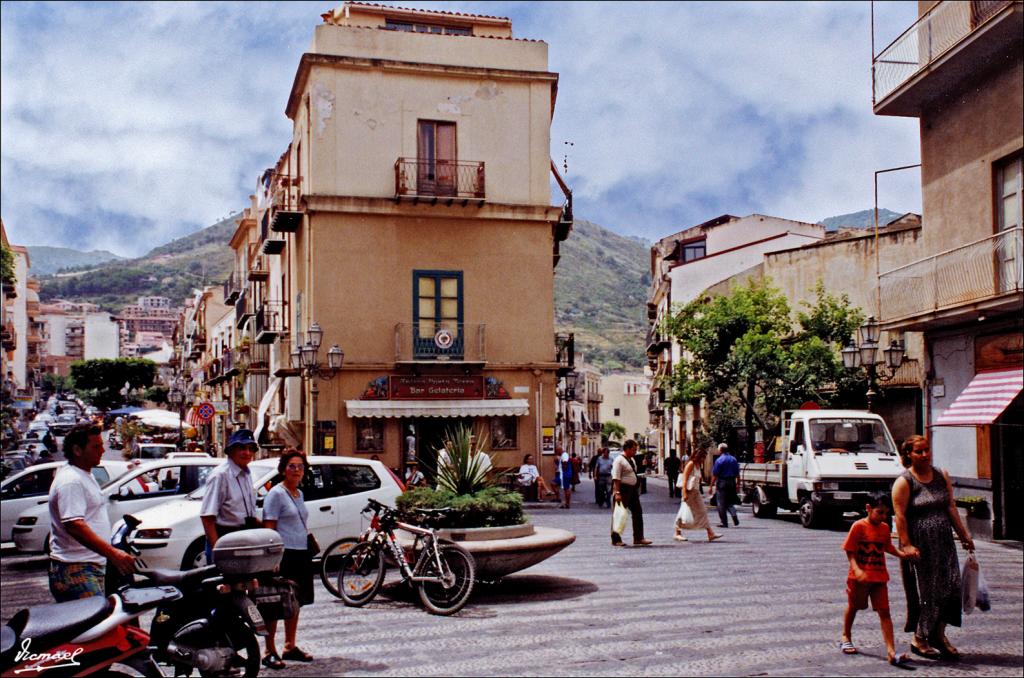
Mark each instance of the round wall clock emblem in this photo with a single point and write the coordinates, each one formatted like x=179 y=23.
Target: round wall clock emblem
x=444 y=339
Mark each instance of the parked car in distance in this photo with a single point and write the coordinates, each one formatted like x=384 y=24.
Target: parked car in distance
x=63 y=424
x=335 y=490
x=32 y=485
x=186 y=455
x=146 y=485
x=152 y=450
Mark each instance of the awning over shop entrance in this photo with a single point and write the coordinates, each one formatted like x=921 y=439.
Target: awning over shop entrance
x=984 y=399
x=268 y=397
x=512 y=407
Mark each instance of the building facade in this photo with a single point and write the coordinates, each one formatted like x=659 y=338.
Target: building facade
x=624 y=399
x=959 y=69
x=409 y=222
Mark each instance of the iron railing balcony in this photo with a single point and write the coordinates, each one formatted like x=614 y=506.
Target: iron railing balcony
x=269 y=322
x=983 y=274
x=272 y=242
x=259 y=271
x=243 y=309
x=285 y=206
x=232 y=288
x=450 y=180
x=440 y=340
x=949 y=43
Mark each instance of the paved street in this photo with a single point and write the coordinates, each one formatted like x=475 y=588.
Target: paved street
x=768 y=600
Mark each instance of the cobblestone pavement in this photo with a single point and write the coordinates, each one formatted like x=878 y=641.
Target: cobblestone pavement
x=767 y=600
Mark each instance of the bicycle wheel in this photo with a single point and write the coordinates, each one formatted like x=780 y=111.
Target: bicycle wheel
x=449 y=594
x=360 y=574
x=331 y=562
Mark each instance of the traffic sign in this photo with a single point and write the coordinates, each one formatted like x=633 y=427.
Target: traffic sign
x=205 y=412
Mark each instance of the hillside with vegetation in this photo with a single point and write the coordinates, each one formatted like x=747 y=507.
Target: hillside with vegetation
x=46 y=260
x=601 y=288
x=862 y=219
x=170 y=270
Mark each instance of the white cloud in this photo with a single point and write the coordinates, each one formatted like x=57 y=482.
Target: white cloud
x=121 y=115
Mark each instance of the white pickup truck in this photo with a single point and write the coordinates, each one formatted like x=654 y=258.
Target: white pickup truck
x=829 y=461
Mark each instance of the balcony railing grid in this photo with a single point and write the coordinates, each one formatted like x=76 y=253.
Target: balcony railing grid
x=936 y=31
x=979 y=270
x=269 y=321
x=439 y=179
x=421 y=342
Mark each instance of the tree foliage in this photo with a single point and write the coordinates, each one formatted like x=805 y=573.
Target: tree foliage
x=7 y=276
x=103 y=379
x=613 y=430
x=744 y=354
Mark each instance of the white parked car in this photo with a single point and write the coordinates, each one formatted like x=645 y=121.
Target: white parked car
x=145 y=486
x=32 y=486
x=152 y=450
x=335 y=491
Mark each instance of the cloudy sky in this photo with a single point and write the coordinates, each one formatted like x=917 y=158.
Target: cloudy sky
x=125 y=125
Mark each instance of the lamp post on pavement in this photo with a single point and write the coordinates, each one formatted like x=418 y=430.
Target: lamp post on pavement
x=566 y=394
x=865 y=354
x=306 y=357
x=176 y=398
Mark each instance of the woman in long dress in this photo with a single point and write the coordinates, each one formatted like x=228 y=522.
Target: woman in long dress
x=926 y=516
x=693 y=500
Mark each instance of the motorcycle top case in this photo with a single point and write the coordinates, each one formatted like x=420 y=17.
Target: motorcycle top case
x=248 y=552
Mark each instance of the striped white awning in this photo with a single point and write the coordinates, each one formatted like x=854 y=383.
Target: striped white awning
x=512 y=407
x=984 y=399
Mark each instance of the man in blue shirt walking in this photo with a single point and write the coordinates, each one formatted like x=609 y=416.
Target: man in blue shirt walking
x=724 y=476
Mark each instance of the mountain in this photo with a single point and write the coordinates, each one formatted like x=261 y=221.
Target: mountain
x=46 y=260
x=862 y=219
x=170 y=270
x=601 y=288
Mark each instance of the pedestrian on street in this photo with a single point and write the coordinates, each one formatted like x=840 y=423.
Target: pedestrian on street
x=79 y=526
x=625 y=491
x=866 y=545
x=640 y=464
x=693 y=499
x=602 y=476
x=672 y=466
x=413 y=475
x=577 y=467
x=563 y=476
x=229 y=503
x=724 y=475
x=926 y=516
x=285 y=511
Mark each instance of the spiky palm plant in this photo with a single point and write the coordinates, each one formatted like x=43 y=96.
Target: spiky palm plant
x=462 y=467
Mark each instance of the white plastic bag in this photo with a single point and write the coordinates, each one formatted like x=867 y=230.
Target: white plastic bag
x=620 y=516
x=679 y=481
x=969 y=582
x=983 y=602
x=684 y=518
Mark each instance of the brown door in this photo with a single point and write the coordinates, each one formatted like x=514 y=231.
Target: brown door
x=436 y=158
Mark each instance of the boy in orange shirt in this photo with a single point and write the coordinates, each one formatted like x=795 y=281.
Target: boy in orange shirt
x=866 y=545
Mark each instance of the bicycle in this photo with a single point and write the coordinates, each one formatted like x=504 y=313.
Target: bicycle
x=443 y=575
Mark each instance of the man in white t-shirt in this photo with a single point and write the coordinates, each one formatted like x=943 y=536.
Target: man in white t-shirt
x=625 y=491
x=79 y=525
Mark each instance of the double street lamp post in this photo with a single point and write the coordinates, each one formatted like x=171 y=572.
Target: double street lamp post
x=567 y=394
x=305 y=356
x=865 y=354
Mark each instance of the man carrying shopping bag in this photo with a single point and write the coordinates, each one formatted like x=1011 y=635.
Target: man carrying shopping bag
x=626 y=496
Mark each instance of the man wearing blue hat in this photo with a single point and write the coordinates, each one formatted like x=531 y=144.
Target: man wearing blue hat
x=229 y=503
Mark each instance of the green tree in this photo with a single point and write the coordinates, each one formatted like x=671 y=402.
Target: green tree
x=612 y=430
x=744 y=355
x=7 y=267
x=55 y=383
x=103 y=379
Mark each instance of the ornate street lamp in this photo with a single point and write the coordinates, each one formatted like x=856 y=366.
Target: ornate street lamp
x=866 y=354
x=306 y=357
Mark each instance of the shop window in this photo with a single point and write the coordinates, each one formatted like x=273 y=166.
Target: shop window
x=504 y=433
x=369 y=435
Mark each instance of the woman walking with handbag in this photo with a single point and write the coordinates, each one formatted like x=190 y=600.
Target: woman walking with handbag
x=692 y=513
x=285 y=511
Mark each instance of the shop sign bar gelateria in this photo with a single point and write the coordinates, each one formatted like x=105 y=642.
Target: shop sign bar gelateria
x=436 y=387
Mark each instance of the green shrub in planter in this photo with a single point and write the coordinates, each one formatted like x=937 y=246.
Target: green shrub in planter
x=490 y=507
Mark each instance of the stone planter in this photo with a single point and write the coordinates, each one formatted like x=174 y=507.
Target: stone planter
x=500 y=551
x=979 y=527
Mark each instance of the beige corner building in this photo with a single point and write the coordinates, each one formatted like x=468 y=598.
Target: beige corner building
x=410 y=224
x=960 y=69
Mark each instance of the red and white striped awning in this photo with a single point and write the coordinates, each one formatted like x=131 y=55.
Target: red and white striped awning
x=984 y=399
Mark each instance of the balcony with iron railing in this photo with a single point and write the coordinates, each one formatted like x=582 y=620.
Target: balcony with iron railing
x=272 y=241
x=232 y=288
x=243 y=308
x=447 y=181
x=285 y=204
x=982 y=276
x=269 y=322
x=439 y=341
x=947 y=46
x=259 y=270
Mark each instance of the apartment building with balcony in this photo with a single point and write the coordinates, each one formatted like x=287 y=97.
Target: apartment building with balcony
x=16 y=319
x=683 y=266
x=959 y=69
x=197 y=360
x=624 y=400
x=411 y=219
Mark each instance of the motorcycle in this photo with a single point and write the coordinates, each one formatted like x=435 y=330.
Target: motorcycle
x=91 y=635
x=214 y=626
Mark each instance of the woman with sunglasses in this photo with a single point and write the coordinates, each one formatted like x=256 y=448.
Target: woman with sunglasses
x=285 y=511
x=926 y=517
